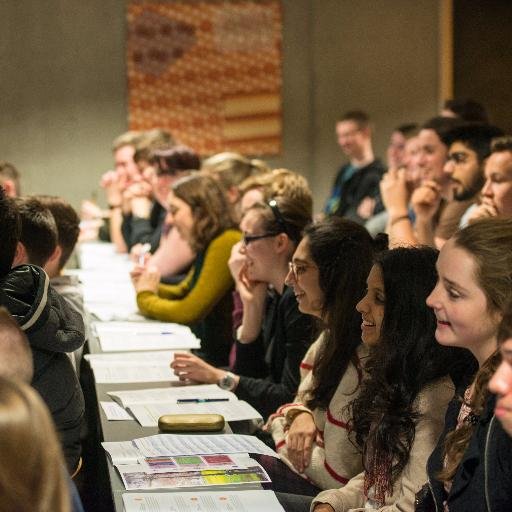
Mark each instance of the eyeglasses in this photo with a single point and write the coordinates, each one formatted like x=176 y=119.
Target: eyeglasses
x=297 y=269
x=278 y=216
x=247 y=239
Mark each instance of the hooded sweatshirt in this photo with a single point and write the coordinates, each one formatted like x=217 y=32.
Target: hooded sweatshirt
x=53 y=328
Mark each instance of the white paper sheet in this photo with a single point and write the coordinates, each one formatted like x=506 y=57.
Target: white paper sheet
x=119 y=374
x=122 y=452
x=108 y=312
x=203 y=501
x=115 y=412
x=131 y=357
x=107 y=292
x=169 y=394
x=147 y=414
x=128 y=336
x=178 y=444
x=126 y=367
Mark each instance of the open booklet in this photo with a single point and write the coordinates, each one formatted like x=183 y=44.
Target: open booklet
x=122 y=367
x=170 y=394
x=169 y=445
x=203 y=501
x=147 y=414
x=127 y=336
x=142 y=476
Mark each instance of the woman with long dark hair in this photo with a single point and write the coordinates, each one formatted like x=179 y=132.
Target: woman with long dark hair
x=399 y=412
x=328 y=275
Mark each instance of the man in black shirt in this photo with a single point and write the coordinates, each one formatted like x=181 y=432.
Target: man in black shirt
x=355 y=193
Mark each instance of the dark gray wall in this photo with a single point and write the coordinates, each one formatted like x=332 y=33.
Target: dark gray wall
x=63 y=87
x=62 y=91
x=380 y=56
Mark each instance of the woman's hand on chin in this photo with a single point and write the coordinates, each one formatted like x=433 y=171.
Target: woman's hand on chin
x=251 y=292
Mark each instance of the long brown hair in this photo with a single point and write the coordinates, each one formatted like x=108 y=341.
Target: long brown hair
x=343 y=252
x=211 y=211
x=32 y=471
x=489 y=242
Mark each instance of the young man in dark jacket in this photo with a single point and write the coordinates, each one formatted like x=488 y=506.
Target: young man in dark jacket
x=52 y=327
x=16 y=363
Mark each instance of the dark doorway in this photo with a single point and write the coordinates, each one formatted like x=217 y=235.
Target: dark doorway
x=482 y=57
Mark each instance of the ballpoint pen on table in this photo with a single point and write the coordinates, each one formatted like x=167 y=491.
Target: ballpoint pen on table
x=200 y=400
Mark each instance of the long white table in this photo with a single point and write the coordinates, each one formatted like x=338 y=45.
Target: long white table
x=108 y=480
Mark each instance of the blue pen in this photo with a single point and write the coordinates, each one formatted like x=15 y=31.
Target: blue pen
x=156 y=333
x=200 y=400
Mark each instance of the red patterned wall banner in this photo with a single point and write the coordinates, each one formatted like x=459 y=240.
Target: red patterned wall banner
x=208 y=71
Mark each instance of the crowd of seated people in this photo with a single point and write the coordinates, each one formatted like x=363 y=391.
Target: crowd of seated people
x=376 y=341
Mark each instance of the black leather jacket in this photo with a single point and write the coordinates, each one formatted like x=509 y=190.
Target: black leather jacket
x=52 y=328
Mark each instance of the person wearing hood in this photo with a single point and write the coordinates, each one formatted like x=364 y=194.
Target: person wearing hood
x=52 y=327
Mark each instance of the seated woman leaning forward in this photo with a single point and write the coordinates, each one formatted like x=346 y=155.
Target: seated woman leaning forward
x=202 y=300
x=399 y=413
x=328 y=275
x=471 y=467
x=274 y=335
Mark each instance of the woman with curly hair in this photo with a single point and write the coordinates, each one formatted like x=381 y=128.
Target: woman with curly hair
x=471 y=467
x=399 y=413
x=202 y=216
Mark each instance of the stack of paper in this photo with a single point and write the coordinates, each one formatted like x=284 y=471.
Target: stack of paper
x=127 y=336
x=170 y=445
x=241 y=470
x=170 y=394
x=170 y=461
x=116 y=368
x=101 y=265
x=97 y=255
x=147 y=414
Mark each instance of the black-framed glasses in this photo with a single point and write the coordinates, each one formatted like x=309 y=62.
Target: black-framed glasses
x=278 y=216
x=247 y=239
x=297 y=269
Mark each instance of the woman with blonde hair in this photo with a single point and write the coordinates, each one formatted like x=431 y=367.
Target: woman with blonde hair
x=202 y=300
x=231 y=169
x=32 y=471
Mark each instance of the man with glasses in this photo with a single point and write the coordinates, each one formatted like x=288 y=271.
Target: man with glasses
x=355 y=192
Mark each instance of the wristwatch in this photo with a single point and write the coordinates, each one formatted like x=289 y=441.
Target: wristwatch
x=227 y=382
